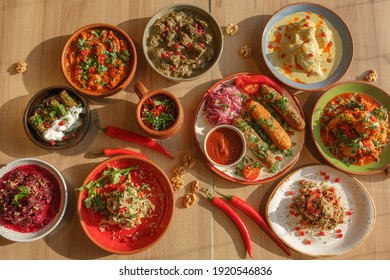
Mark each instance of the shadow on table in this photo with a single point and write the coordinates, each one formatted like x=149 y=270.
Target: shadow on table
x=16 y=143
x=69 y=240
x=255 y=63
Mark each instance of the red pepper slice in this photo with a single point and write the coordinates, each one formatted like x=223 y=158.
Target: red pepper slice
x=119 y=151
x=251 y=88
x=258 y=79
x=123 y=134
x=256 y=216
x=221 y=204
x=85 y=52
x=101 y=58
x=112 y=72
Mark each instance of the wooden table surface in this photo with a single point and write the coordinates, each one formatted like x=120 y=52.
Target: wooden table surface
x=36 y=30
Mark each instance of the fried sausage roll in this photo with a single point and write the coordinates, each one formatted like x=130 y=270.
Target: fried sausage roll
x=283 y=106
x=254 y=143
x=271 y=126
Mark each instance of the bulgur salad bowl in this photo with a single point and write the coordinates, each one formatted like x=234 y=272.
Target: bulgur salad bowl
x=125 y=205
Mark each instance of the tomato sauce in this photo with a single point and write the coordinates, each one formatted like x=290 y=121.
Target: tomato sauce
x=224 y=146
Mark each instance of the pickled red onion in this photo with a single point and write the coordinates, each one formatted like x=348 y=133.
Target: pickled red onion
x=223 y=105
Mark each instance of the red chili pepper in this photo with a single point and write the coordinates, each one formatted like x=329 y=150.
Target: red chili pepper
x=119 y=151
x=258 y=79
x=123 y=134
x=257 y=217
x=221 y=204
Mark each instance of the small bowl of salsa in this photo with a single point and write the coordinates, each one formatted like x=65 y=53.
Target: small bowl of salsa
x=224 y=145
x=99 y=60
x=159 y=113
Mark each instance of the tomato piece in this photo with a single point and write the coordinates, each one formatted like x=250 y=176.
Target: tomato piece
x=251 y=173
x=251 y=88
x=310 y=206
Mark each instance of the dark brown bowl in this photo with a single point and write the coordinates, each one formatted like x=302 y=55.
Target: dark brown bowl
x=129 y=74
x=34 y=135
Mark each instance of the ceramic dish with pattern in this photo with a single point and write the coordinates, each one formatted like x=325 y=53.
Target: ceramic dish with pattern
x=355 y=202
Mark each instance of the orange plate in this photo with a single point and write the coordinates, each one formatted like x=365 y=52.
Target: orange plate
x=152 y=229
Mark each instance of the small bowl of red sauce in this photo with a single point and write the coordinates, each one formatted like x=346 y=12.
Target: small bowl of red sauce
x=224 y=145
x=33 y=199
x=99 y=60
x=159 y=113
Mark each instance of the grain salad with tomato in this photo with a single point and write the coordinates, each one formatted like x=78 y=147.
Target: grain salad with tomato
x=98 y=60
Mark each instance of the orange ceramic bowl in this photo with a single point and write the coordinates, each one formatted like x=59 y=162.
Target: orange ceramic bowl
x=143 y=105
x=151 y=229
x=99 y=60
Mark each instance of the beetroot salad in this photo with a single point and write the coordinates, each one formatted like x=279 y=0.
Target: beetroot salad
x=30 y=197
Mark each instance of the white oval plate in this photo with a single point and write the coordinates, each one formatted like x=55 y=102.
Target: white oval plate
x=353 y=197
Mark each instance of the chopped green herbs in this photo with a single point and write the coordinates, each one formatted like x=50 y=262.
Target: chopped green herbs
x=111 y=175
x=23 y=192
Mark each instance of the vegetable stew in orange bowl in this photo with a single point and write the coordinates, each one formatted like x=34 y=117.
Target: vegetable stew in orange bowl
x=99 y=60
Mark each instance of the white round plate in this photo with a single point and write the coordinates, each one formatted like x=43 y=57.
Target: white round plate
x=354 y=198
x=202 y=127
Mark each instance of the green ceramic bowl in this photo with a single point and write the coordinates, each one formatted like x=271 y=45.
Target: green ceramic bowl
x=381 y=96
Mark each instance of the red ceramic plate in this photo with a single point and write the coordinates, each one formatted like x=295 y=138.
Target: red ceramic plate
x=202 y=127
x=152 y=228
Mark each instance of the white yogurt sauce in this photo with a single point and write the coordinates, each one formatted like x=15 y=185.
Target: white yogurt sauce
x=67 y=123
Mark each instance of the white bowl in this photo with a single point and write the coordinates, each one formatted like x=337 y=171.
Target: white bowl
x=32 y=236
x=242 y=138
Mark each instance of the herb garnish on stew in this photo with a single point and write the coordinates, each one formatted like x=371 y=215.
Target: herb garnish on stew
x=158 y=112
x=98 y=60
